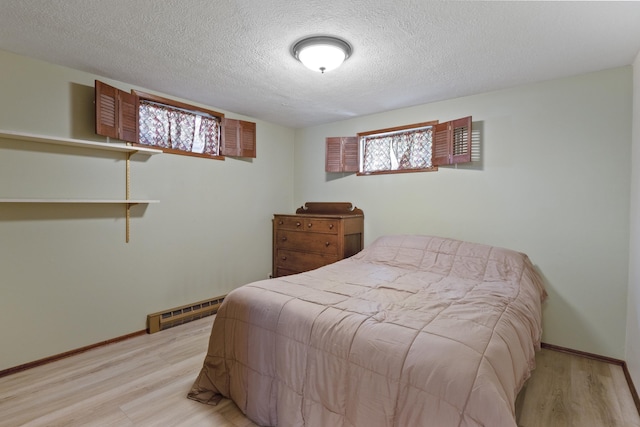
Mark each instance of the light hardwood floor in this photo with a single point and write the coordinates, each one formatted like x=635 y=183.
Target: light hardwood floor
x=143 y=381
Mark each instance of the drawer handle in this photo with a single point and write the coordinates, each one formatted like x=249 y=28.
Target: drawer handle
x=327 y=244
x=284 y=258
x=284 y=239
x=280 y=222
x=298 y=224
x=309 y=225
x=330 y=226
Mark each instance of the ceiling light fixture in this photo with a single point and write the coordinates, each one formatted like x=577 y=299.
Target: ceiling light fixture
x=321 y=53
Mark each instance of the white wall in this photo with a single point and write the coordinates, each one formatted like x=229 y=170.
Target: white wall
x=633 y=302
x=67 y=277
x=553 y=181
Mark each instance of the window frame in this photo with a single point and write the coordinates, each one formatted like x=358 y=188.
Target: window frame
x=394 y=129
x=183 y=106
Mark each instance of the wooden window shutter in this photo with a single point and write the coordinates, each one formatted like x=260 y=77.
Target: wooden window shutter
x=350 y=154
x=248 y=139
x=116 y=113
x=342 y=154
x=452 y=142
x=128 y=116
x=238 y=138
x=333 y=155
x=461 y=140
x=106 y=110
x=441 y=144
x=229 y=137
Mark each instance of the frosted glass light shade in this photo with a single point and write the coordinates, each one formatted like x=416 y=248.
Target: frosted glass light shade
x=321 y=53
x=321 y=57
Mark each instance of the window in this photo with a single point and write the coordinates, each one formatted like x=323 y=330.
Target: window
x=413 y=148
x=397 y=149
x=168 y=127
x=173 y=126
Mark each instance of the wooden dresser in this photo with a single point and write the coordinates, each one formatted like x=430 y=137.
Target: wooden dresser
x=317 y=234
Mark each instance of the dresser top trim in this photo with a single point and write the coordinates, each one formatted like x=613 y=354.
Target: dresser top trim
x=329 y=208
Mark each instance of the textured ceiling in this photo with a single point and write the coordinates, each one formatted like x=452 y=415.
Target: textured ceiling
x=234 y=55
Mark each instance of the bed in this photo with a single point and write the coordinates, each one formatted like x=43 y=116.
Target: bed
x=412 y=331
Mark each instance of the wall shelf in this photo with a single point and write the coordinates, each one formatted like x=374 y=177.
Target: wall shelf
x=95 y=201
x=128 y=150
x=107 y=146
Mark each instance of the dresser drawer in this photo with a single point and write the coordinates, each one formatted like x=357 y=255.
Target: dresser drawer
x=289 y=222
x=302 y=261
x=317 y=225
x=279 y=272
x=310 y=242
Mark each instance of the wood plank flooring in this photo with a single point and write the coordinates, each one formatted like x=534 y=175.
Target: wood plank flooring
x=143 y=381
x=569 y=390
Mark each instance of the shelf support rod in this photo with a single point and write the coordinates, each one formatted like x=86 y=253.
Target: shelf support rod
x=128 y=194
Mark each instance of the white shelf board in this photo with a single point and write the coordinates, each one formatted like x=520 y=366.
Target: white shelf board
x=77 y=142
x=97 y=201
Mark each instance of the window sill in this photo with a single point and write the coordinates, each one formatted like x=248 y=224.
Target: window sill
x=431 y=169
x=181 y=152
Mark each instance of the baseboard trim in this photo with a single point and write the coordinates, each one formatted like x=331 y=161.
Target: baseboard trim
x=70 y=353
x=622 y=363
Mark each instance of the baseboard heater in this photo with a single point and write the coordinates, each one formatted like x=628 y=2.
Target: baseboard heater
x=179 y=315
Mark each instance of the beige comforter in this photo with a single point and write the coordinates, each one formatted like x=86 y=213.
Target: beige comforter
x=412 y=331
